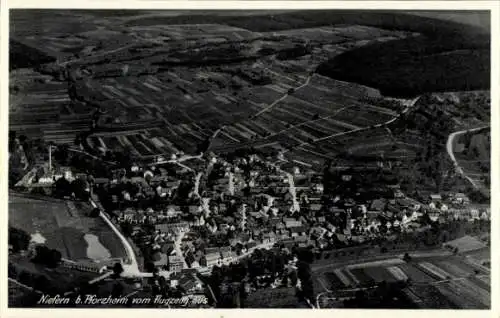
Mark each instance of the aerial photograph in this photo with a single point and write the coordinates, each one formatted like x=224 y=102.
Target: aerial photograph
x=249 y=159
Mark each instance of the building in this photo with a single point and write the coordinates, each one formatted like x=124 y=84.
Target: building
x=315 y=207
x=460 y=198
x=297 y=231
x=435 y=198
x=175 y=263
x=269 y=237
x=160 y=259
x=213 y=259
x=228 y=257
x=190 y=283
x=51 y=177
x=172 y=227
x=291 y=222
x=90 y=266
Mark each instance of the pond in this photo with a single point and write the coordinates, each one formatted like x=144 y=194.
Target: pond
x=95 y=250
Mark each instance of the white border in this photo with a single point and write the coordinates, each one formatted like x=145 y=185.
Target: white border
x=247 y=5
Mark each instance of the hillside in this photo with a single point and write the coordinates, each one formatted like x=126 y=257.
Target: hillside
x=443 y=60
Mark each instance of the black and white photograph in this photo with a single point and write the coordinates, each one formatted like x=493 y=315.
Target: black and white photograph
x=312 y=158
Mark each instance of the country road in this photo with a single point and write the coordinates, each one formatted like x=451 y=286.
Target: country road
x=197 y=184
x=130 y=266
x=178 y=249
x=177 y=161
x=101 y=54
x=408 y=107
x=449 y=149
x=381 y=258
x=254 y=143
x=308 y=80
x=265 y=109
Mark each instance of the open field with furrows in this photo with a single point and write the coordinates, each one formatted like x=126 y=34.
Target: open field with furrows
x=125 y=101
x=334 y=35
x=142 y=143
x=42 y=30
x=186 y=91
x=193 y=73
x=40 y=107
x=146 y=143
x=429 y=297
x=318 y=110
x=363 y=145
x=65 y=226
x=446 y=279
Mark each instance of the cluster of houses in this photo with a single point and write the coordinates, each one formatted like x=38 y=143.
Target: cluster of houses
x=247 y=204
x=234 y=208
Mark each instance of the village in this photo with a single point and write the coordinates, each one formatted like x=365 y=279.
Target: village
x=225 y=157
x=189 y=214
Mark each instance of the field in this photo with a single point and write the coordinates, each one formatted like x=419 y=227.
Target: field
x=431 y=282
x=166 y=82
x=64 y=225
x=40 y=107
x=258 y=84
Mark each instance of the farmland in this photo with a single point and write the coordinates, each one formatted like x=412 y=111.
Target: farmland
x=184 y=120
x=168 y=82
x=214 y=75
x=431 y=282
x=41 y=108
x=64 y=225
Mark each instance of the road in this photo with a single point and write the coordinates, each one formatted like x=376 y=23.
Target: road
x=265 y=246
x=231 y=183
x=307 y=122
x=267 y=108
x=449 y=149
x=381 y=257
x=291 y=183
x=130 y=266
x=197 y=183
x=293 y=192
x=408 y=105
x=217 y=132
x=283 y=97
x=101 y=54
x=90 y=155
x=335 y=297
x=178 y=250
x=24 y=286
x=177 y=161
